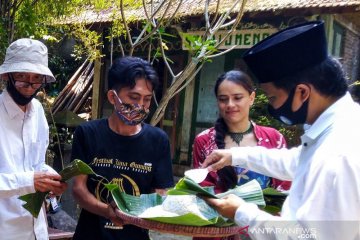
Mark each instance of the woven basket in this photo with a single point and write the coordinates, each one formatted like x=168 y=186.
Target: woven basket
x=194 y=231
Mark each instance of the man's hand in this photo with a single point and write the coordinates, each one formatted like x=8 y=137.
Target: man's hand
x=218 y=159
x=226 y=206
x=49 y=182
x=115 y=219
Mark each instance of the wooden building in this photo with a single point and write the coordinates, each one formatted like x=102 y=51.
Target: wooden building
x=195 y=108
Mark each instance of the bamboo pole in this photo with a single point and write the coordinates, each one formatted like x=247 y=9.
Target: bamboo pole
x=68 y=98
x=68 y=86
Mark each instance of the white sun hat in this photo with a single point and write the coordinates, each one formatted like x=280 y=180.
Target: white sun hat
x=27 y=55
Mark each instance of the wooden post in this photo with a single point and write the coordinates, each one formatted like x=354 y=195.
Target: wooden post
x=97 y=91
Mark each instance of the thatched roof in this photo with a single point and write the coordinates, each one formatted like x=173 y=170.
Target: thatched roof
x=276 y=5
x=253 y=8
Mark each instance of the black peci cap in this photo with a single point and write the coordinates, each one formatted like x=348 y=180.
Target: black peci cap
x=287 y=51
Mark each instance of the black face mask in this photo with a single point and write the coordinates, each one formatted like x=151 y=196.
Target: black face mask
x=16 y=95
x=286 y=115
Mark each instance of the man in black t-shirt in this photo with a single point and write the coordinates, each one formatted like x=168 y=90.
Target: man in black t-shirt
x=124 y=150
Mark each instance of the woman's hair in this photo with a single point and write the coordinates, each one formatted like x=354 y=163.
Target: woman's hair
x=328 y=78
x=227 y=175
x=237 y=77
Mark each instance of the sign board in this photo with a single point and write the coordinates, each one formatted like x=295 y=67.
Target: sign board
x=241 y=39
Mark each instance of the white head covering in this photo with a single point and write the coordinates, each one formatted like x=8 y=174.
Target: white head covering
x=27 y=55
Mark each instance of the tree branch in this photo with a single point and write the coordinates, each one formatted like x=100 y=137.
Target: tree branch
x=221 y=53
x=121 y=47
x=164 y=56
x=124 y=22
x=189 y=79
x=236 y=22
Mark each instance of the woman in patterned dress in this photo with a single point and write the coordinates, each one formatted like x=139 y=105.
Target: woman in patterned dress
x=235 y=95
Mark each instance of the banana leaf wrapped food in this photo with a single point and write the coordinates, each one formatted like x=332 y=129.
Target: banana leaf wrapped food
x=34 y=201
x=182 y=205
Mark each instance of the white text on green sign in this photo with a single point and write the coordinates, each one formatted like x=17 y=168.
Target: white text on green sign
x=241 y=39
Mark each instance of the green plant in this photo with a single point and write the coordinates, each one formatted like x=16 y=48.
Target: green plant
x=59 y=137
x=90 y=42
x=196 y=44
x=62 y=70
x=259 y=114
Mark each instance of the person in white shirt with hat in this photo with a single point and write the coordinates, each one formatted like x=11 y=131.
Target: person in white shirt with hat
x=24 y=137
x=305 y=86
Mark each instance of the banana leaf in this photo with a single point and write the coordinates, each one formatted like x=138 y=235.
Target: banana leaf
x=76 y=167
x=188 y=208
x=138 y=205
x=274 y=200
x=273 y=192
x=186 y=186
x=34 y=201
x=250 y=192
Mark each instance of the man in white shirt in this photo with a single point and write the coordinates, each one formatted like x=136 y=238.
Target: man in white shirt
x=304 y=85
x=24 y=137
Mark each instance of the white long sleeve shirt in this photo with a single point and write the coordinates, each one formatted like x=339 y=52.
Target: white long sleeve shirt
x=24 y=138
x=324 y=199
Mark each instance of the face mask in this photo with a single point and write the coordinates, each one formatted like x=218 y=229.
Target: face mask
x=286 y=115
x=16 y=95
x=130 y=114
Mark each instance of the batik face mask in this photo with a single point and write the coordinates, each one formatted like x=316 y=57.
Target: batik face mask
x=130 y=114
x=286 y=115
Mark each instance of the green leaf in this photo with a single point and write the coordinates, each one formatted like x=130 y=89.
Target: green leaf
x=187 y=186
x=273 y=192
x=189 y=219
x=274 y=210
x=76 y=167
x=250 y=192
x=274 y=200
x=34 y=201
x=176 y=208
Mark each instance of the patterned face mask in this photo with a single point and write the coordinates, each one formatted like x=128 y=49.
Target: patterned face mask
x=130 y=114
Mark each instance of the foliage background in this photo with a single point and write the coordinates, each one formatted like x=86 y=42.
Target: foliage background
x=260 y=115
x=37 y=19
